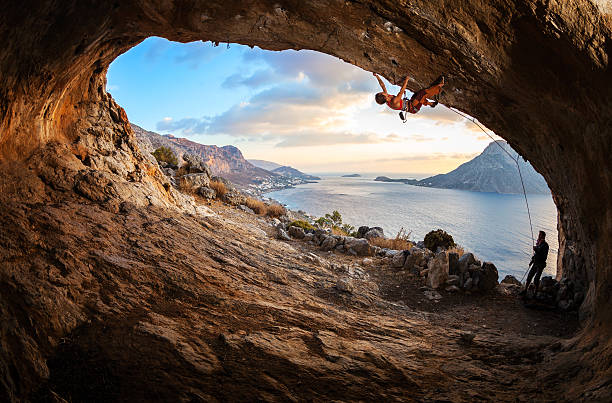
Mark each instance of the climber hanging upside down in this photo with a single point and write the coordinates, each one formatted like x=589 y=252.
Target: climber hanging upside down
x=412 y=105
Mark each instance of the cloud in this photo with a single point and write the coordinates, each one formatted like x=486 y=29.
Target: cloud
x=258 y=79
x=419 y=138
x=318 y=69
x=440 y=114
x=157 y=47
x=430 y=157
x=335 y=138
x=301 y=99
x=186 y=126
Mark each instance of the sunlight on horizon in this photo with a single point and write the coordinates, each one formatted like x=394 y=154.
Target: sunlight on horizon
x=300 y=108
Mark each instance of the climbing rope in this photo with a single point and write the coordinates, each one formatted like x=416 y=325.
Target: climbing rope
x=471 y=119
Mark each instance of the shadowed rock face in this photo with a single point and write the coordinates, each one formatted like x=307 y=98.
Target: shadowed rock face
x=535 y=72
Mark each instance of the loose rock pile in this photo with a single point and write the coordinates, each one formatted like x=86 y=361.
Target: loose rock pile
x=443 y=269
x=563 y=294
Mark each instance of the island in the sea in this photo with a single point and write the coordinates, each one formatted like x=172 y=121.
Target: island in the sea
x=387 y=179
x=351 y=176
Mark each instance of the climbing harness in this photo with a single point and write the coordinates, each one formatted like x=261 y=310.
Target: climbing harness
x=517 y=167
x=406 y=104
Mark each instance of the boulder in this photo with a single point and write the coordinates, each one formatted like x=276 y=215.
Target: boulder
x=207 y=193
x=416 y=260
x=246 y=209
x=361 y=231
x=309 y=237
x=192 y=182
x=360 y=247
x=452 y=279
x=438 y=270
x=398 y=260
x=487 y=277
x=390 y=252
x=367 y=261
x=233 y=197
x=468 y=284
x=164 y=164
x=511 y=280
x=296 y=232
x=195 y=164
x=453 y=263
x=375 y=232
x=465 y=261
x=452 y=288
x=282 y=234
x=329 y=243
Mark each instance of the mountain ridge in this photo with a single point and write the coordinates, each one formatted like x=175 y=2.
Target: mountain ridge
x=226 y=161
x=493 y=171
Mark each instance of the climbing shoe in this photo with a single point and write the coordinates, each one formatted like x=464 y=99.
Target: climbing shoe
x=402 y=116
x=434 y=104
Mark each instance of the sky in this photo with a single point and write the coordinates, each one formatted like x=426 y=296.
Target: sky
x=300 y=108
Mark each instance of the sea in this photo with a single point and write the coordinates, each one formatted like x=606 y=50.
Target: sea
x=495 y=227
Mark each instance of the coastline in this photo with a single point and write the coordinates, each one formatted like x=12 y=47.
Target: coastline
x=494 y=226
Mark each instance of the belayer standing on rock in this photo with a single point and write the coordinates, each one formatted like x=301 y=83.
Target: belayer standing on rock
x=412 y=105
x=538 y=262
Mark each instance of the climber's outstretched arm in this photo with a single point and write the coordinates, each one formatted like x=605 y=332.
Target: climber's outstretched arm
x=382 y=85
x=400 y=94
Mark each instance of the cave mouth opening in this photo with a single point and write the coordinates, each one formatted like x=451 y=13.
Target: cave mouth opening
x=288 y=106
x=52 y=94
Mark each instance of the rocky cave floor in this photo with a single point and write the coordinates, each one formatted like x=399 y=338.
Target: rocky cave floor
x=149 y=304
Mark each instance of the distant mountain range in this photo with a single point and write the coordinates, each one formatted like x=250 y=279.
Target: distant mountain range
x=267 y=165
x=226 y=161
x=492 y=171
x=283 y=170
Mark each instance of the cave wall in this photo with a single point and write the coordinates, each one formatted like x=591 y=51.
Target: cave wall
x=534 y=71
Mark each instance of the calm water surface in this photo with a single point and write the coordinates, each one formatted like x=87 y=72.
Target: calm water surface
x=494 y=227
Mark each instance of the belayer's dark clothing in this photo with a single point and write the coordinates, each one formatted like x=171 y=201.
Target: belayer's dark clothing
x=538 y=262
x=541 y=254
x=536 y=270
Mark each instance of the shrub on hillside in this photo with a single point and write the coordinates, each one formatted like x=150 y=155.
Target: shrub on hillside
x=276 y=210
x=306 y=226
x=165 y=154
x=333 y=221
x=219 y=188
x=257 y=206
x=437 y=238
x=400 y=242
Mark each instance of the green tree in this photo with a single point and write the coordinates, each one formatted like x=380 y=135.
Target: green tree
x=165 y=154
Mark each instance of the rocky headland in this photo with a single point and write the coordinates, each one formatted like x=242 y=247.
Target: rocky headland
x=494 y=170
x=387 y=179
